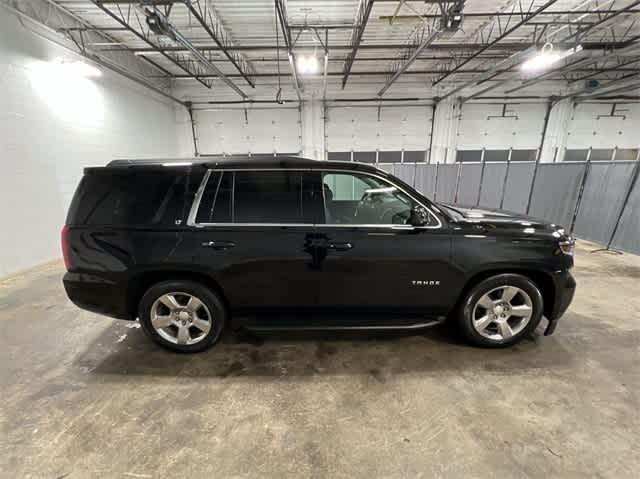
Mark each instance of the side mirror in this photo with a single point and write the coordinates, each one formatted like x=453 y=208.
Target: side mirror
x=418 y=216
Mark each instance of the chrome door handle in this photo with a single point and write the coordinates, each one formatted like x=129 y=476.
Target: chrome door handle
x=219 y=244
x=340 y=246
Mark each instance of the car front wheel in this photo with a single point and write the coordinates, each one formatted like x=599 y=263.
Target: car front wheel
x=501 y=310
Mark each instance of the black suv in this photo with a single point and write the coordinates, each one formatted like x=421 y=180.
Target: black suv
x=291 y=243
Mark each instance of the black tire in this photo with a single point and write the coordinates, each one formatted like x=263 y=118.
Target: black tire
x=465 y=319
x=213 y=304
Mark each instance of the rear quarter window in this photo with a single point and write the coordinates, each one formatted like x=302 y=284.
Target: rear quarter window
x=134 y=198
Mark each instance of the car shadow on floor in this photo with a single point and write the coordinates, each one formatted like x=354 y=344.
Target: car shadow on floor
x=128 y=352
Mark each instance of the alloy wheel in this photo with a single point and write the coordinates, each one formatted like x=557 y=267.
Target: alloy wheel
x=502 y=313
x=181 y=318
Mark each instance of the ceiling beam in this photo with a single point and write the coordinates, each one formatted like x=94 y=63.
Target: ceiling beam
x=603 y=89
x=281 y=13
x=495 y=41
x=176 y=61
x=448 y=46
x=631 y=86
x=618 y=67
x=564 y=68
x=210 y=22
x=493 y=71
x=362 y=16
x=495 y=14
x=580 y=33
x=428 y=35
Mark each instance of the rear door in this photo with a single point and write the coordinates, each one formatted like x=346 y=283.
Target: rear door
x=375 y=260
x=253 y=228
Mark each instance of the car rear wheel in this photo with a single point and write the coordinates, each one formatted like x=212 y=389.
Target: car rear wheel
x=501 y=310
x=182 y=316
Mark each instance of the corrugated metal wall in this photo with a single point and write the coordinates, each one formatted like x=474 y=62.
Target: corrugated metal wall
x=548 y=190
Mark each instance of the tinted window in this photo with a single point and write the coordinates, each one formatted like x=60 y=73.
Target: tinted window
x=261 y=197
x=523 y=155
x=575 y=155
x=468 y=155
x=496 y=155
x=364 y=156
x=339 y=156
x=626 y=154
x=601 y=155
x=134 y=198
x=268 y=197
x=215 y=204
x=389 y=156
x=414 y=157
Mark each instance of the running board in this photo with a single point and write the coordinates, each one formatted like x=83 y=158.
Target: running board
x=272 y=323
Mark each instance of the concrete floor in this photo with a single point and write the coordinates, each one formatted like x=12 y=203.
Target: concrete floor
x=86 y=396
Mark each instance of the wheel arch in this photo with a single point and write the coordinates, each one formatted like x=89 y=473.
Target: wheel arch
x=541 y=279
x=142 y=281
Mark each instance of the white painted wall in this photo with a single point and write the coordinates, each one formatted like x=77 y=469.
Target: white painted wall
x=51 y=126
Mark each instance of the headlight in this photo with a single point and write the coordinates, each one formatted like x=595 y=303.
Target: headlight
x=567 y=246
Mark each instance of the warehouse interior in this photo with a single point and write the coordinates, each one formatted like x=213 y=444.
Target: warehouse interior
x=531 y=107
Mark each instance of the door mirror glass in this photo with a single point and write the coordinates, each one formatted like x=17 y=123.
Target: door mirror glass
x=418 y=216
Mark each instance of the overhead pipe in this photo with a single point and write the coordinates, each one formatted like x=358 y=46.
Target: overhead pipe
x=362 y=17
x=286 y=34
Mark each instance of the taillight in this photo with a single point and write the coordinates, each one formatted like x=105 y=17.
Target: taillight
x=64 y=236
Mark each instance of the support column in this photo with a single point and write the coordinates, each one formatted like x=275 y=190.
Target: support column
x=557 y=128
x=445 y=131
x=313 y=134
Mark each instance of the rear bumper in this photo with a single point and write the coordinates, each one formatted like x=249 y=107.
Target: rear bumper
x=565 y=288
x=97 y=295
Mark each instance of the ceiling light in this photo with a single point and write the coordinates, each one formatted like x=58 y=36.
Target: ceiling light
x=547 y=57
x=145 y=53
x=307 y=65
x=80 y=69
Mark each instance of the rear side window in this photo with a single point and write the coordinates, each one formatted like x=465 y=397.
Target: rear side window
x=274 y=197
x=215 y=205
x=135 y=198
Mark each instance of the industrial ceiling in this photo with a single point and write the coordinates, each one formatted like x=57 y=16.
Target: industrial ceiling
x=275 y=51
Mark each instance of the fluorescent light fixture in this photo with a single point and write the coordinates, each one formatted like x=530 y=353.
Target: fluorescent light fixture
x=547 y=57
x=104 y=44
x=146 y=53
x=80 y=69
x=307 y=65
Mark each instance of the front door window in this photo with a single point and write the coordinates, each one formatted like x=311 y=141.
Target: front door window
x=359 y=199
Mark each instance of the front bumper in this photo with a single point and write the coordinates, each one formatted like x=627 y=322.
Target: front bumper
x=565 y=288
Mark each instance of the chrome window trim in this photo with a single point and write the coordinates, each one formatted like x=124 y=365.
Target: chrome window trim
x=191 y=219
x=196 y=203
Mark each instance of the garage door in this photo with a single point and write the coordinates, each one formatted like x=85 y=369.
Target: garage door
x=264 y=131
x=395 y=132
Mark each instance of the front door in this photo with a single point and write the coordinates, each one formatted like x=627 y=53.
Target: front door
x=375 y=260
x=252 y=228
